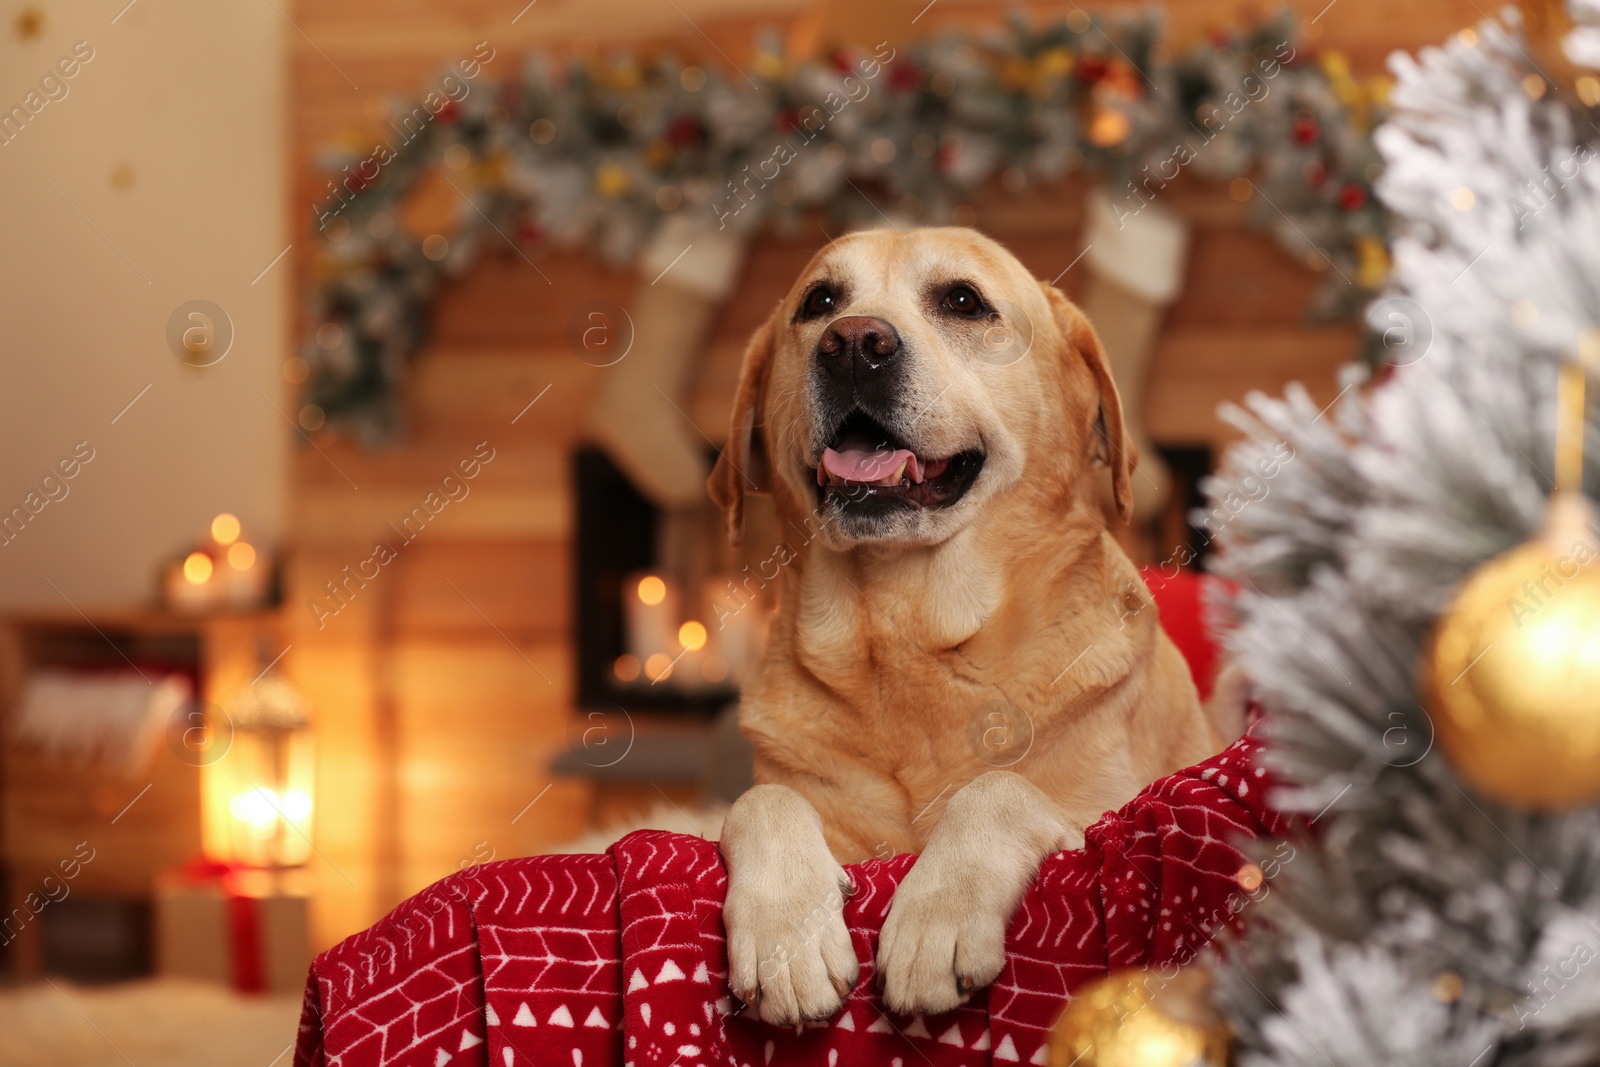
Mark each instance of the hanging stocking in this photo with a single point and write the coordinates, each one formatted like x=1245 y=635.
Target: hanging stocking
x=1136 y=269
x=640 y=415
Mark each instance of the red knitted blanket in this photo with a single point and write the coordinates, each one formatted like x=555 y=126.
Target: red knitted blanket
x=595 y=961
x=605 y=961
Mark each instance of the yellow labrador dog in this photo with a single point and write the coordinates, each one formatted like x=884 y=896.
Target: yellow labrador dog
x=959 y=665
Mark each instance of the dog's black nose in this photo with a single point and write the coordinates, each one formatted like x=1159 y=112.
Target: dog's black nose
x=858 y=343
x=856 y=350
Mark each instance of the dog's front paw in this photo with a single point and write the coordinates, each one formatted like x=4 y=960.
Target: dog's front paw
x=945 y=937
x=789 y=952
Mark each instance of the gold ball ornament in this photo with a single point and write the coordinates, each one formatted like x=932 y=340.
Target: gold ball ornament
x=1511 y=676
x=1140 y=1019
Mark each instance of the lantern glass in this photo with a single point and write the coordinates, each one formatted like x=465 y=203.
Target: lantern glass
x=270 y=771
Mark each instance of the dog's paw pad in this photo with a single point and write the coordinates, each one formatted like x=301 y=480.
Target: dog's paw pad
x=938 y=947
x=790 y=957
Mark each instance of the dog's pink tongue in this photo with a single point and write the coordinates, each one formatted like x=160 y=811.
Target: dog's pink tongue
x=871 y=466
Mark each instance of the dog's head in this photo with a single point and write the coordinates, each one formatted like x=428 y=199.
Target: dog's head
x=910 y=381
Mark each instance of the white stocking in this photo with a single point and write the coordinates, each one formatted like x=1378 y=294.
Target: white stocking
x=640 y=416
x=1136 y=269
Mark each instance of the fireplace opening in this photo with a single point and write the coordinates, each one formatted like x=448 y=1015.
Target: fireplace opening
x=670 y=617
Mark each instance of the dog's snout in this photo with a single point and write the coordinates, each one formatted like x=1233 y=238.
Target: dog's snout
x=857 y=360
x=860 y=337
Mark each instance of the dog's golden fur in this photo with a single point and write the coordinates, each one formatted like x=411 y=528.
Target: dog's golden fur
x=975 y=683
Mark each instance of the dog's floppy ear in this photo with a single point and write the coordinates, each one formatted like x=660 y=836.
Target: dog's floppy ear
x=743 y=464
x=1116 y=447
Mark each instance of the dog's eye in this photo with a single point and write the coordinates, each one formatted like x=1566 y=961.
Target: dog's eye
x=963 y=301
x=818 y=302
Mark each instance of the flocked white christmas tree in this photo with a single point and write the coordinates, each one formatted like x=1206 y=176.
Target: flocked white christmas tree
x=1423 y=922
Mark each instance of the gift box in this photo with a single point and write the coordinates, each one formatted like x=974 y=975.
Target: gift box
x=242 y=927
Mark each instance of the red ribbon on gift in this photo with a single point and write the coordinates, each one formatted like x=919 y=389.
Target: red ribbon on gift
x=244 y=917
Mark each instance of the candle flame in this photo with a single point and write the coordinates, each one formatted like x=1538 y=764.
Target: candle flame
x=692 y=635
x=197 y=568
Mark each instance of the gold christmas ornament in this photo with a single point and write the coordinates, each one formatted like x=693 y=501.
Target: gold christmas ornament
x=1141 y=1019
x=1511 y=676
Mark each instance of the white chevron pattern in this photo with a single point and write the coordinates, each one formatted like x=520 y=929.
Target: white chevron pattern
x=614 y=960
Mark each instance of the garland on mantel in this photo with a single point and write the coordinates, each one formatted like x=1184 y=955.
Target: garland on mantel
x=599 y=153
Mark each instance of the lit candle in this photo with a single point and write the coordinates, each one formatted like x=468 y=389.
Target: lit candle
x=731 y=625
x=190 y=585
x=650 y=615
x=245 y=577
x=689 y=672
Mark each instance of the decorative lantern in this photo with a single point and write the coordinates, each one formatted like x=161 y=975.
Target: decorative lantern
x=269 y=772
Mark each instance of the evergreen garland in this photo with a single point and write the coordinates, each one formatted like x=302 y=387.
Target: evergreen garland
x=597 y=153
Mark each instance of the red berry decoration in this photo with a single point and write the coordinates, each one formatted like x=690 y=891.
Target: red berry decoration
x=1306 y=130
x=904 y=77
x=530 y=232
x=450 y=112
x=686 y=131
x=841 y=62
x=788 y=120
x=1352 y=197
x=1091 y=69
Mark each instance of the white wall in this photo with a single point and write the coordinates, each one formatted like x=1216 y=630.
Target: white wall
x=188 y=97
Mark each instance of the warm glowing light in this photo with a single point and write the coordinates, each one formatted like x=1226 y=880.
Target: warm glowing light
x=1109 y=127
x=626 y=668
x=1250 y=877
x=225 y=529
x=262 y=808
x=197 y=568
x=692 y=635
x=258 y=807
x=652 y=590
x=1463 y=198
x=241 y=555
x=1161 y=1046
x=658 y=667
x=296 y=805
x=714 y=670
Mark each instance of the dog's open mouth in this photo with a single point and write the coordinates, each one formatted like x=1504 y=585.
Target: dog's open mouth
x=865 y=463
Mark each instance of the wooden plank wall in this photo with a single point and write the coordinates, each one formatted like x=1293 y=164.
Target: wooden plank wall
x=445 y=685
